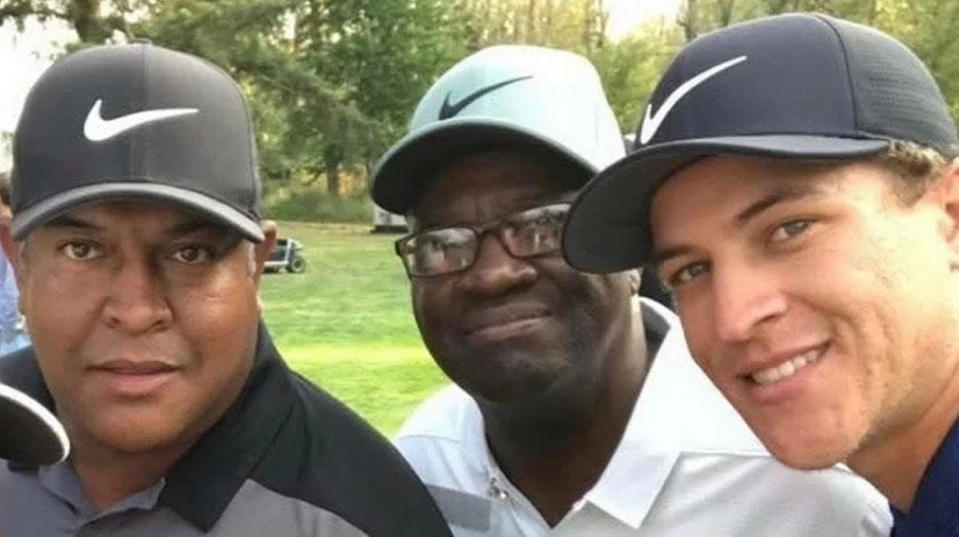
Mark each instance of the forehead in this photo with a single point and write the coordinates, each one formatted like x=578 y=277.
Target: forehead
x=483 y=186
x=732 y=183
x=134 y=216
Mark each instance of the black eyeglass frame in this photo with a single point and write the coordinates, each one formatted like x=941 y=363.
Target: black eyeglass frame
x=479 y=231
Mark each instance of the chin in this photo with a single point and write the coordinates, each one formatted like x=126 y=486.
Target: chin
x=501 y=390
x=807 y=452
x=132 y=434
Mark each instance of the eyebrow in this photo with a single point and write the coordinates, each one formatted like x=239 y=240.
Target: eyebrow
x=196 y=225
x=783 y=192
x=661 y=256
x=64 y=221
x=525 y=203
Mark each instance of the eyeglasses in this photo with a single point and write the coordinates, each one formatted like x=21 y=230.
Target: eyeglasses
x=528 y=233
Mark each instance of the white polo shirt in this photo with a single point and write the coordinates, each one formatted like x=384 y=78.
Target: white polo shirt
x=687 y=466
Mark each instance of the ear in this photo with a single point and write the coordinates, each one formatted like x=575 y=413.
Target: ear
x=10 y=247
x=635 y=277
x=261 y=251
x=945 y=194
x=17 y=256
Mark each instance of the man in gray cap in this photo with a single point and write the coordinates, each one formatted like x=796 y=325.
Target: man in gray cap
x=794 y=184
x=577 y=410
x=139 y=254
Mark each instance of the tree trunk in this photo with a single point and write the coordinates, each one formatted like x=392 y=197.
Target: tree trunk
x=688 y=19
x=85 y=15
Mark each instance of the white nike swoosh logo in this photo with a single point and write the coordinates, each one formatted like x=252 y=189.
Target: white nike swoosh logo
x=97 y=129
x=651 y=122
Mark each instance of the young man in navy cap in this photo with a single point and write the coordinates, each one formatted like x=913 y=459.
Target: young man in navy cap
x=577 y=410
x=139 y=256
x=794 y=184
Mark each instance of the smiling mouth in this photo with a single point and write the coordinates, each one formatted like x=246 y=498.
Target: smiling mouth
x=128 y=367
x=504 y=320
x=788 y=368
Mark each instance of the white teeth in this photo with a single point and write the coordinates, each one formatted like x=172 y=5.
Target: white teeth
x=787 y=368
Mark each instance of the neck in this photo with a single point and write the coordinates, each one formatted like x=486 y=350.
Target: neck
x=108 y=476
x=577 y=433
x=895 y=462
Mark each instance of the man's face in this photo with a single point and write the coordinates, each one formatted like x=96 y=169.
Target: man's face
x=814 y=298
x=143 y=318
x=508 y=329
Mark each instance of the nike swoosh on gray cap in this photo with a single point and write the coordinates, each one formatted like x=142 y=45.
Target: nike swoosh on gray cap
x=797 y=86
x=515 y=96
x=122 y=122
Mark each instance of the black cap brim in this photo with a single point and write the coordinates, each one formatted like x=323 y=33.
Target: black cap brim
x=29 y=433
x=27 y=220
x=608 y=225
x=403 y=173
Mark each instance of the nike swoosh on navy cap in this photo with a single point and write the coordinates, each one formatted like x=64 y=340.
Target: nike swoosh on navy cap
x=797 y=86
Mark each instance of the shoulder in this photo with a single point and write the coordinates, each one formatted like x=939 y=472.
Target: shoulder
x=445 y=415
x=738 y=494
x=444 y=442
x=327 y=456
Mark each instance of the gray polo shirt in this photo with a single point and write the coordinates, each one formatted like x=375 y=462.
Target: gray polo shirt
x=51 y=503
x=287 y=460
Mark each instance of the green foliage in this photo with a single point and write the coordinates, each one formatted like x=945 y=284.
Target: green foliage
x=346 y=322
x=317 y=205
x=332 y=83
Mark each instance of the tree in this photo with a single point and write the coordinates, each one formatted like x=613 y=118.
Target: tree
x=95 y=21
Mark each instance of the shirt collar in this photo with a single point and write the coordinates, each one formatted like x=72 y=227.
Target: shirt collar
x=678 y=410
x=934 y=509
x=62 y=481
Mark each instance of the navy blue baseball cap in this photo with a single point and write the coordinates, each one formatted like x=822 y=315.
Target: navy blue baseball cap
x=797 y=86
x=118 y=122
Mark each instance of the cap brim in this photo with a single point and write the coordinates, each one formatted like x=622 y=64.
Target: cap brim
x=29 y=433
x=29 y=219
x=404 y=171
x=608 y=225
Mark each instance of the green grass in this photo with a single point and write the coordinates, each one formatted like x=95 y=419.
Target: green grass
x=312 y=204
x=346 y=322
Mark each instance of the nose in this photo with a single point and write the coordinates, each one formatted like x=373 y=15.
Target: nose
x=744 y=299
x=137 y=302
x=495 y=271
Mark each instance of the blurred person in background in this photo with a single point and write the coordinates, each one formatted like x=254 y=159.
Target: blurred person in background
x=13 y=333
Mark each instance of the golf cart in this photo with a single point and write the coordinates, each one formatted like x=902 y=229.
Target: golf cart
x=286 y=255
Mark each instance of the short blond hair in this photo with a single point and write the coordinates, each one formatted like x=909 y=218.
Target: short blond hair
x=915 y=165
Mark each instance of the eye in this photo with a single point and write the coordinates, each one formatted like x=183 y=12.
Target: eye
x=687 y=274
x=192 y=255
x=81 y=251
x=434 y=245
x=790 y=229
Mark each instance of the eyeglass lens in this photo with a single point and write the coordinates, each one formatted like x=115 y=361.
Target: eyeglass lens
x=528 y=233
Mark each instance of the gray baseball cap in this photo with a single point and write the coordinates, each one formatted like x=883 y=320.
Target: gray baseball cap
x=508 y=95
x=135 y=121
x=798 y=86
x=29 y=433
